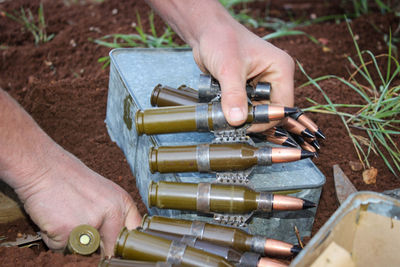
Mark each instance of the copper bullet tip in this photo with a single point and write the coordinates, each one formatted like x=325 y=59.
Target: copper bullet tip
x=307 y=133
x=295 y=249
x=320 y=134
x=288 y=111
x=308 y=204
x=307 y=154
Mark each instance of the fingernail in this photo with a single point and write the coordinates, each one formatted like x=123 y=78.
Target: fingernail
x=236 y=114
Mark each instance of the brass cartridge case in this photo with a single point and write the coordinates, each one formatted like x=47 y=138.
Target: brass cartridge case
x=136 y=245
x=207 y=158
x=207 y=197
x=221 y=235
x=164 y=96
x=84 y=240
x=201 y=117
x=219 y=157
x=227 y=253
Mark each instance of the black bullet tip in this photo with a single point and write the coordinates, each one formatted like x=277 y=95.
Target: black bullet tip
x=297 y=114
x=295 y=249
x=315 y=144
x=308 y=204
x=307 y=133
x=290 y=142
x=288 y=111
x=298 y=139
x=307 y=154
x=280 y=132
x=320 y=134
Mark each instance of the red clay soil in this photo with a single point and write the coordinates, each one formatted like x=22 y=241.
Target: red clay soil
x=64 y=88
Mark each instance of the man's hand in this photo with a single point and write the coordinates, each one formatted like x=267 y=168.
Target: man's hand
x=59 y=192
x=231 y=53
x=68 y=194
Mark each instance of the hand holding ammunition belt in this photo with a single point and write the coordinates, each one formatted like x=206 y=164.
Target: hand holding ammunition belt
x=232 y=156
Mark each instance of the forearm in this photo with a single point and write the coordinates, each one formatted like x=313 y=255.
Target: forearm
x=192 y=18
x=24 y=147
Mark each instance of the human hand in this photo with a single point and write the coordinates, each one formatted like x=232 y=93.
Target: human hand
x=68 y=194
x=233 y=55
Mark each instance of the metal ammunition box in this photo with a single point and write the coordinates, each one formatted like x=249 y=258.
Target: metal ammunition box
x=364 y=231
x=133 y=75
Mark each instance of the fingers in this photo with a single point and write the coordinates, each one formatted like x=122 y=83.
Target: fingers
x=133 y=218
x=234 y=97
x=280 y=74
x=109 y=231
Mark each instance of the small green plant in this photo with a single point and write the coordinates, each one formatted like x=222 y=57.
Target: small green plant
x=36 y=27
x=362 y=7
x=378 y=117
x=141 y=39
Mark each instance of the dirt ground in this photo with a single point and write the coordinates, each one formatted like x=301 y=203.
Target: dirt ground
x=64 y=88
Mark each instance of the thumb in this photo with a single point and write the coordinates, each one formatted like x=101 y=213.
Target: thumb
x=234 y=97
x=133 y=218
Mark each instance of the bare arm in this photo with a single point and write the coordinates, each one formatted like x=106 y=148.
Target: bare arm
x=58 y=191
x=230 y=52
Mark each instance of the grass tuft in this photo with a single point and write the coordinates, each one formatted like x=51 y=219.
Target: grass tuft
x=139 y=39
x=37 y=27
x=379 y=116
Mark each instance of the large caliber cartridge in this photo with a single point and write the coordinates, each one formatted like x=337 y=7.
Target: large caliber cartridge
x=164 y=96
x=219 y=198
x=222 y=235
x=219 y=157
x=136 y=245
x=239 y=259
x=201 y=117
x=84 y=240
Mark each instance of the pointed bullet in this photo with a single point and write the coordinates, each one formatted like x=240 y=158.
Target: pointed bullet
x=280 y=132
x=289 y=142
x=289 y=110
x=308 y=204
x=307 y=133
x=307 y=154
x=315 y=144
x=295 y=249
x=320 y=134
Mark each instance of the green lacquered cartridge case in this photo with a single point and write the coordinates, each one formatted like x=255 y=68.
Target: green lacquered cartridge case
x=207 y=158
x=84 y=240
x=114 y=262
x=207 y=197
x=246 y=259
x=218 y=234
x=136 y=245
x=164 y=96
x=201 y=117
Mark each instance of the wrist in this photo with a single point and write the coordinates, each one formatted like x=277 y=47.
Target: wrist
x=191 y=19
x=33 y=176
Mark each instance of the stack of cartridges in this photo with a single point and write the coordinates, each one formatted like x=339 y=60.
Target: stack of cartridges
x=232 y=202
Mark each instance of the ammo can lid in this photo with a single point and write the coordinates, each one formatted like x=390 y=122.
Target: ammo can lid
x=84 y=240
